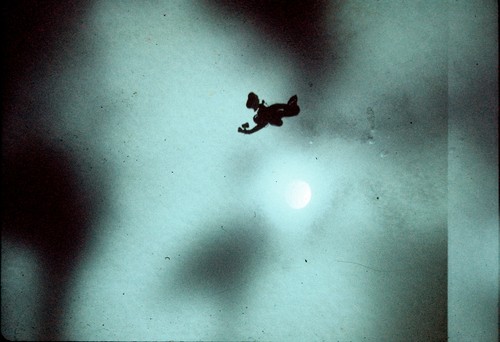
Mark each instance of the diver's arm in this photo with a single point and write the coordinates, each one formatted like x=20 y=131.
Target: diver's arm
x=250 y=131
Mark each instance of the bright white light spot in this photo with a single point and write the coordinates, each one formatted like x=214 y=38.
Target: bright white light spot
x=298 y=194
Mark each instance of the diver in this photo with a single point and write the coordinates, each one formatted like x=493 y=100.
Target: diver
x=268 y=115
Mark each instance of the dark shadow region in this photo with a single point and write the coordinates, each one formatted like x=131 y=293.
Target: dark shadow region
x=48 y=208
x=52 y=193
x=221 y=267
x=299 y=28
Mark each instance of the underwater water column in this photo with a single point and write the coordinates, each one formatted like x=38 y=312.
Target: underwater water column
x=133 y=209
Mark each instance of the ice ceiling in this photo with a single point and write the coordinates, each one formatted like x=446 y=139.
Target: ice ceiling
x=134 y=210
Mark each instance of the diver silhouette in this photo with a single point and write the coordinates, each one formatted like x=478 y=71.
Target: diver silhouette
x=268 y=115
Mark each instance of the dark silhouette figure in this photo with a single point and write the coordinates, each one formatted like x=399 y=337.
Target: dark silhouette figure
x=268 y=115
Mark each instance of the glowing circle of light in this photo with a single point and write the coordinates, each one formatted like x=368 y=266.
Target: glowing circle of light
x=298 y=194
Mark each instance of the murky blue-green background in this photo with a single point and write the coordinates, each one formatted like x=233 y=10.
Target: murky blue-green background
x=134 y=210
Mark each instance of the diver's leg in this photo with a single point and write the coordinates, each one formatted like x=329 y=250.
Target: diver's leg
x=292 y=107
x=292 y=110
x=276 y=122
